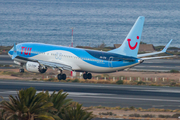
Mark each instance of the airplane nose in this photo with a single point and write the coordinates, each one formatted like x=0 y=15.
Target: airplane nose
x=10 y=52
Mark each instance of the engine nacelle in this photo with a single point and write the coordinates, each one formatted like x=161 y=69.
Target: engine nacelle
x=35 y=67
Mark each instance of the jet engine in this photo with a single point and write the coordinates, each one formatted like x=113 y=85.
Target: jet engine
x=35 y=67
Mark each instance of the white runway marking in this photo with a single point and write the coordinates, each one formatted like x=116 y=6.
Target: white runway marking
x=159 y=90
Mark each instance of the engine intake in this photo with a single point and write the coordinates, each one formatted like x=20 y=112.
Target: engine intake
x=35 y=67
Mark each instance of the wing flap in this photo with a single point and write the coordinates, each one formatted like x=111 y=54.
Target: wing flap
x=55 y=65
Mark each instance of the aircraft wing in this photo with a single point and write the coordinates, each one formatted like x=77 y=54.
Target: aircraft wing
x=55 y=65
x=155 y=53
x=47 y=64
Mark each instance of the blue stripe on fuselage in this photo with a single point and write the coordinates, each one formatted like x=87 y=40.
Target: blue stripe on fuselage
x=97 y=58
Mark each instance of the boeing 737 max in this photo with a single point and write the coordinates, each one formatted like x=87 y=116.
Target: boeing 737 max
x=37 y=57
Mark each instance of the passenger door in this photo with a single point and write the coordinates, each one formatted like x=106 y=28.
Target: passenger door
x=110 y=62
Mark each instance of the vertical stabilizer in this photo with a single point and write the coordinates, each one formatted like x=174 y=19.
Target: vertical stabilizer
x=130 y=46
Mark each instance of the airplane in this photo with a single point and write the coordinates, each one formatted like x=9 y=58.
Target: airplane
x=37 y=57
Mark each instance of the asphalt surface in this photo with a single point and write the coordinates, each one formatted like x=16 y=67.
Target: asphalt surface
x=158 y=65
x=103 y=94
x=6 y=60
x=149 y=65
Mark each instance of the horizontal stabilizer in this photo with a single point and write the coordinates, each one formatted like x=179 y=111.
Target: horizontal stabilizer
x=155 y=53
x=150 y=58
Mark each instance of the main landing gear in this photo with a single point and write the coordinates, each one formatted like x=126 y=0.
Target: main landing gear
x=61 y=76
x=87 y=75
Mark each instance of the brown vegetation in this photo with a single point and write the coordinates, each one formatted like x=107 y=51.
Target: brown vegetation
x=123 y=77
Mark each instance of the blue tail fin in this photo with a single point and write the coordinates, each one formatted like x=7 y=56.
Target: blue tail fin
x=130 y=46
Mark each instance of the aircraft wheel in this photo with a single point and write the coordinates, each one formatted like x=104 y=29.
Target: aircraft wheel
x=85 y=76
x=89 y=75
x=21 y=70
x=59 y=76
x=63 y=76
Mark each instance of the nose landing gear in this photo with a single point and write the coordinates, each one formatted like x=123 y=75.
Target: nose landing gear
x=21 y=70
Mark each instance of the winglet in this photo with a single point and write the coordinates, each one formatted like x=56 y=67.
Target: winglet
x=14 y=52
x=166 y=47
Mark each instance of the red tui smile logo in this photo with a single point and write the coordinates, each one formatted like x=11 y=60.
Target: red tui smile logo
x=132 y=47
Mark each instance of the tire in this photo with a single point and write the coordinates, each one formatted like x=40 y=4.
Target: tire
x=59 y=76
x=89 y=75
x=85 y=76
x=63 y=76
x=21 y=70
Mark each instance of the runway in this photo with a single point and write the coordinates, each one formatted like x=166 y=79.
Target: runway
x=6 y=60
x=103 y=94
x=158 y=65
x=149 y=65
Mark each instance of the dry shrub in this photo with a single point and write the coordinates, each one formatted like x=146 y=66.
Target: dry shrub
x=140 y=109
x=107 y=113
x=132 y=108
x=177 y=110
x=154 y=84
x=167 y=110
x=164 y=116
x=100 y=107
x=75 y=80
x=119 y=82
x=148 y=116
x=126 y=81
x=125 y=109
x=14 y=74
x=117 y=108
x=103 y=82
x=152 y=110
x=175 y=115
x=135 y=115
